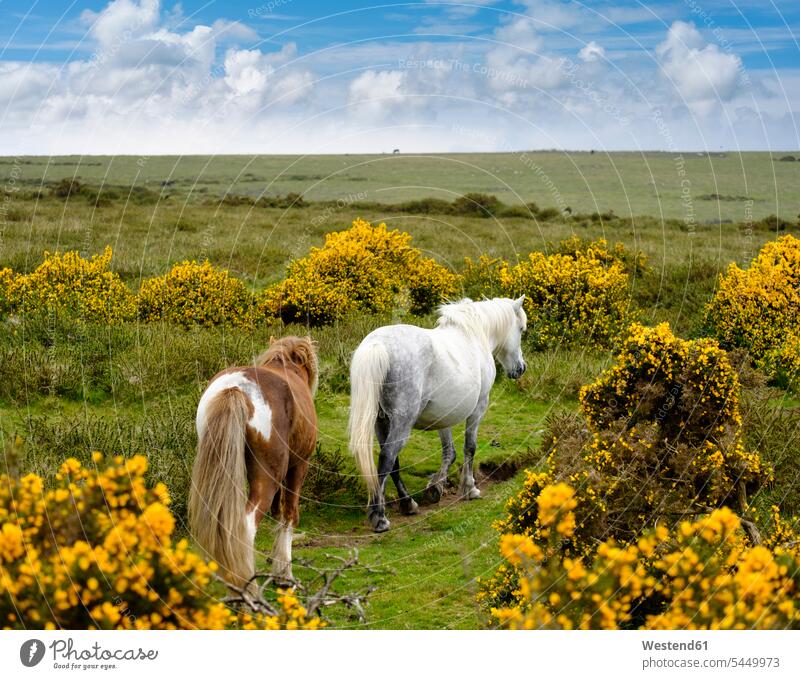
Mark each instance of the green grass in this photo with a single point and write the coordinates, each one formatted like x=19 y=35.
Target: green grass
x=434 y=559
x=629 y=183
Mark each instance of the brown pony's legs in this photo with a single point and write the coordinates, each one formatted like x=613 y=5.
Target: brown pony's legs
x=264 y=489
x=289 y=516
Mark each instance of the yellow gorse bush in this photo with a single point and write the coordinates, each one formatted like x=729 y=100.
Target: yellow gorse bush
x=189 y=294
x=662 y=388
x=700 y=575
x=7 y=300
x=659 y=437
x=69 y=282
x=96 y=551
x=633 y=262
x=364 y=268
x=758 y=308
x=576 y=295
x=571 y=299
x=195 y=294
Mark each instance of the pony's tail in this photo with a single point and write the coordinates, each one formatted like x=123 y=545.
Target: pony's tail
x=367 y=373
x=217 y=499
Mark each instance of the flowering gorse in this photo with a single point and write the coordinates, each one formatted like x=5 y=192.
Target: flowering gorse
x=365 y=268
x=678 y=398
x=576 y=295
x=758 y=308
x=195 y=294
x=7 y=290
x=659 y=438
x=68 y=282
x=96 y=551
x=702 y=574
x=633 y=262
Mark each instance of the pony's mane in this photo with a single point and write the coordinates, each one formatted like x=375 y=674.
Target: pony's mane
x=298 y=350
x=489 y=320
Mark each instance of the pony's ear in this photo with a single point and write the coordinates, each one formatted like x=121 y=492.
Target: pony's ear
x=518 y=302
x=272 y=340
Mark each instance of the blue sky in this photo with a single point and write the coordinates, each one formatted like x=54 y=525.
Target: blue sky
x=310 y=77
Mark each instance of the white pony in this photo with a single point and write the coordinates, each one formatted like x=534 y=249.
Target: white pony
x=404 y=377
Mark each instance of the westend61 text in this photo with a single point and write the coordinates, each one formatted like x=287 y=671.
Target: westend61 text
x=695 y=645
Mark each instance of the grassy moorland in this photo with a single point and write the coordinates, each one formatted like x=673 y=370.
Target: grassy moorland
x=712 y=187
x=68 y=388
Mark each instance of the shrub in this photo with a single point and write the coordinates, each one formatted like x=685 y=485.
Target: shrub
x=6 y=290
x=658 y=438
x=773 y=223
x=476 y=205
x=68 y=282
x=365 y=268
x=484 y=277
x=290 y=200
x=758 y=308
x=429 y=284
x=548 y=214
x=699 y=575
x=634 y=263
x=679 y=399
x=195 y=294
x=95 y=551
x=576 y=296
x=570 y=299
x=67 y=187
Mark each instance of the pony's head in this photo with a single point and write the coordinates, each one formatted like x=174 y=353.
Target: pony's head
x=498 y=322
x=509 y=351
x=298 y=351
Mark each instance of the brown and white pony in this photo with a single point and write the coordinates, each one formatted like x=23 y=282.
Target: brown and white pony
x=256 y=429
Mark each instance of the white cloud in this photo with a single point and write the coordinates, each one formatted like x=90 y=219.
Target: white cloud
x=554 y=15
x=122 y=20
x=145 y=71
x=246 y=71
x=249 y=72
x=22 y=84
x=519 y=33
x=703 y=75
x=591 y=52
x=520 y=64
x=375 y=93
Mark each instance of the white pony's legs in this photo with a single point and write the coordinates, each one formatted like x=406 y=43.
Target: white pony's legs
x=435 y=488
x=467 y=489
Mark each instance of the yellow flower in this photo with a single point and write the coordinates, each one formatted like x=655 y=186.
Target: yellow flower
x=758 y=308
x=195 y=294
x=125 y=571
x=68 y=282
x=364 y=268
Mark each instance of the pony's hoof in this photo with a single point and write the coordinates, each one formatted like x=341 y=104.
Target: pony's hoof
x=380 y=524
x=472 y=494
x=282 y=573
x=432 y=495
x=409 y=507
